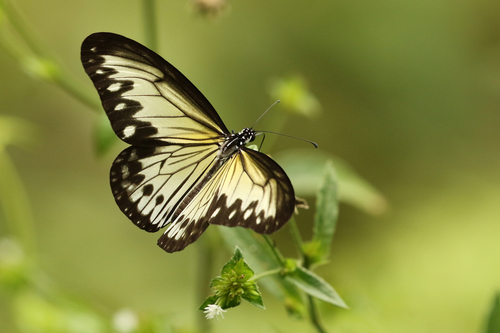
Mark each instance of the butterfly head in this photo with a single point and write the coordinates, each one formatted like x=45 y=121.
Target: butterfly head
x=236 y=141
x=245 y=136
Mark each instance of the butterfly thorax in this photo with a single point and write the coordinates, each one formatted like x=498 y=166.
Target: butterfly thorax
x=236 y=141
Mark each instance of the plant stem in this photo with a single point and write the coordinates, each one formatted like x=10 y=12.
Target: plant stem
x=264 y=274
x=29 y=50
x=72 y=88
x=205 y=263
x=15 y=205
x=150 y=24
x=313 y=311
x=294 y=230
x=314 y=315
x=20 y=24
x=279 y=258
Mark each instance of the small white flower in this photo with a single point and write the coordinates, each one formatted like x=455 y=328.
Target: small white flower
x=213 y=310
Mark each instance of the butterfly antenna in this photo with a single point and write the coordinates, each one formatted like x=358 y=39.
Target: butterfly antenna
x=290 y=136
x=262 y=115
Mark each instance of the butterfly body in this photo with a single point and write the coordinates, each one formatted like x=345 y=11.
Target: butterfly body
x=184 y=170
x=235 y=141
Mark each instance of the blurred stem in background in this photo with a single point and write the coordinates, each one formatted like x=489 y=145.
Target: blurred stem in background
x=150 y=24
x=22 y=43
x=13 y=196
x=493 y=320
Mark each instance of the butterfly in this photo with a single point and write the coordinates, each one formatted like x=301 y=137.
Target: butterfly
x=183 y=169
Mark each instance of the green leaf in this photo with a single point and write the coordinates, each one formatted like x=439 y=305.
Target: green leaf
x=315 y=286
x=260 y=258
x=493 y=325
x=327 y=211
x=305 y=168
x=232 y=263
x=235 y=283
x=254 y=297
x=208 y=301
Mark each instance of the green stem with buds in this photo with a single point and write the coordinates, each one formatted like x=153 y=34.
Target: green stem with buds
x=313 y=311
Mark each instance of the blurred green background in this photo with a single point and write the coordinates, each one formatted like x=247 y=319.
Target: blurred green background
x=410 y=92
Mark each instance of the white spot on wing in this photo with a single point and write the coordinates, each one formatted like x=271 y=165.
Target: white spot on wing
x=128 y=131
x=133 y=155
x=247 y=214
x=232 y=214
x=114 y=87
x=93 y=49
x=125 y=172
x=215 y=213
x=120 y=106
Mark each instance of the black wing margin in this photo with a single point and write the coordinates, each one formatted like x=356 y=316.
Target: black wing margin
x=145 y=97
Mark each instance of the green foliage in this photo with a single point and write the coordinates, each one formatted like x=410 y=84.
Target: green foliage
x=234 y=284
x=305 y=167
x=493 y=324
x=13 y=197
x=315 y=286
x=291 y=276
x=262 y=257
x=38 y=314
x=295 y=96
x=325 y=220
x=21 y=42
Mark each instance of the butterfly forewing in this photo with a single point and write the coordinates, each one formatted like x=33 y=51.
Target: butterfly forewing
x=146 y=99
x=184 y=169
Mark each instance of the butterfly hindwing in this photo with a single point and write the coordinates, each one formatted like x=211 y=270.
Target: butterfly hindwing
x=147 y=100
x=249 y=190
x=150 y=183
x=252 y=191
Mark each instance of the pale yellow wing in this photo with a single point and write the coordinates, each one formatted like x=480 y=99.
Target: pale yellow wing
x=249 y=190
x=147 y=100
